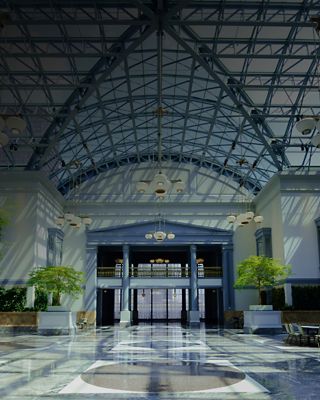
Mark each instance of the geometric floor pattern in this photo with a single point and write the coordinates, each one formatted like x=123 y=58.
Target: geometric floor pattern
x=156 y=361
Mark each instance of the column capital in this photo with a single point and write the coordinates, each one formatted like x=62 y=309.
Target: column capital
x=125 y=247
x=193 y=247
x=91 y=248
x=227 y=247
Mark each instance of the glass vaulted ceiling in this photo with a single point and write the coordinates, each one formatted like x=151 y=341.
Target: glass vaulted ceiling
x=235 y=77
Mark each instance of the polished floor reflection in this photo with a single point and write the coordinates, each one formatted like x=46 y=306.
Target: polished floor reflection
x=157 y=362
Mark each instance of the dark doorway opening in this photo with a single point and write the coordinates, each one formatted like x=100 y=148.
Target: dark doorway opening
x=160 y=304
x=213 y=306
x=105 y=306
x=165 y=305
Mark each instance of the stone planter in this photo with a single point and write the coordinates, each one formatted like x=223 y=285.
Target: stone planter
x=25 y=321
x=262 y=321
x=260 y=307
x=57 y=322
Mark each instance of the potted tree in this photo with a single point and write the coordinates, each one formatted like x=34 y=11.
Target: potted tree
x=261 y=272
x=55 y=281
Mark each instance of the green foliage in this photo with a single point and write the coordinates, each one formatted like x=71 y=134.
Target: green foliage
x=13 y=299
x=260 y=272
x=306 y=297
x=57 y=280
x=41 y=300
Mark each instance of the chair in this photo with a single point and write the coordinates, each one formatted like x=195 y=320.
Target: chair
x=293 y=334
x=317 y=337
x=82 y=323
x=287 y=339
x=304 y=337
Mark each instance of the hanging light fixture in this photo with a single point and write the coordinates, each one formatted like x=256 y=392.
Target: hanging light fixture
x=13 y=123
x=306 y=125
x=160 y=185
x=3 y=139
x=75 y=221
x=315 y=141
x=244 y=218
x=159 y=233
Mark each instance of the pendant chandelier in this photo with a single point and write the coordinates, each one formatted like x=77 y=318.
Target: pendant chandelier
x=160 y=185
x=71 y=219
x=244 y=219
x=10 y=124
x=159 y=233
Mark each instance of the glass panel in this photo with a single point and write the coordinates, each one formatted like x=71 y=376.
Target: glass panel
x=144 y=303
x=174 y=303
x=201 y=301
x=117 y=301
x=174 y=270
x=159 y=303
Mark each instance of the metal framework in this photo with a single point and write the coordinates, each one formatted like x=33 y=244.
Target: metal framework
x=235 y=78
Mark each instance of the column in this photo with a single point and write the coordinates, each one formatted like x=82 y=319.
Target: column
x=228 y=276
x=125 y=314
x=288 y=293
x=194 y=316
x=90 y=295
x=31 y=294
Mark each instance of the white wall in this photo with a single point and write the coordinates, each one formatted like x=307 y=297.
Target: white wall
x=290 y=203
x=268 y=204
x=31 y=204
x=300 y=204
x=289 y=206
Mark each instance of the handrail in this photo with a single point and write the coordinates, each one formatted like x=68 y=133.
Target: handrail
x=159 y=271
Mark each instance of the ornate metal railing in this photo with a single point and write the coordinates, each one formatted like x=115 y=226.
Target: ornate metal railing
x=159 y=271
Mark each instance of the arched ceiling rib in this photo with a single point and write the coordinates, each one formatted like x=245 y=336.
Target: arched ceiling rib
x=235 y=76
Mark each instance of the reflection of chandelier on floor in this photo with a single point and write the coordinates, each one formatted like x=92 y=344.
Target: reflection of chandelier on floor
x=159 y=233
x=160 y=184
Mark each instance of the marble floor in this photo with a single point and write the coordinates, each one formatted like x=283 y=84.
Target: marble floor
x=156 y=362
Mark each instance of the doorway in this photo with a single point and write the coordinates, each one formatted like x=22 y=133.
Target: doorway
x=160 y=305
x=108 y=306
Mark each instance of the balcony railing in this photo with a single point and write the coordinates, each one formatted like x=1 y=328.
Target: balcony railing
x=159 y=271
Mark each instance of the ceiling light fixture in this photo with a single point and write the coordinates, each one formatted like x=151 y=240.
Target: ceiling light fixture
x=244 y=219
x=159 y=233
x=160 y=185
x=315 y=141
x=305 y=126
x=4 y=139
x=73 y=220
x=13 y=123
